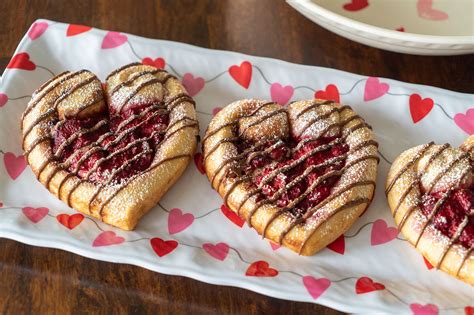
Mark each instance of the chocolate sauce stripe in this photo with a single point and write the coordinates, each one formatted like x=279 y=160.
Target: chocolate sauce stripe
x=142 y=113
x=73 y=89
x=446 y=170
x=91 y=103
x=464 y=259
x=44 y=85
x=348 y=205
x=313 y=210
x=217 y=145
x=133 y=78
x=319 y=118
x=316 y=104
x=417 y=157
x=76 y=135
x=261 y=119
x=35 y=143
x=141 y=86
x=135 y=176
x=178 y=99
x=235 y=122
x=116 y=71
x=415 y=182
x=453 y=240
x=35 y=101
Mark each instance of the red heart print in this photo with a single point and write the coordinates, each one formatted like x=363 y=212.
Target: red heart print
x=161 y=247
x=15 y=165
x=179 y=221
x=381 y=233
x=338 y=246
x=419 y=107
x=218 y=251
x=193 y=85
x=21 y=61
x=374 y=89
x=428 y=264
x=316 y=287
x=356 y=5
x=401 y=29
x=331 y=93
x=70 y=221
x=3 y=99
x=157 y=63
x=465 y=122
x=426 y=11
x=231 y=215
x=428 y=309
x=274 y=246
x=242 y=74
x=469 y=310
x=113 y=39
x=198 y=161
x=107 y=238
x=1 y=204
x=76 y=29
x=35 y=214
x=215 y=110
x=281 y=94
x=37 y=29
x=261 y=269
x=366 y=285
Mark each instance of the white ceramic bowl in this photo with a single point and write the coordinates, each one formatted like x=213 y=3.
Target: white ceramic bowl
x=422 y=27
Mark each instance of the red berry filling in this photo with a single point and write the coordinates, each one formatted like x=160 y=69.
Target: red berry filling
x=294 y=174
x=109 y=150
x=451 y=213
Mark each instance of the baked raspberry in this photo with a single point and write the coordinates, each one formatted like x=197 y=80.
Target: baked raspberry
x=451 y=213
x=131 y=143
x=281 y=187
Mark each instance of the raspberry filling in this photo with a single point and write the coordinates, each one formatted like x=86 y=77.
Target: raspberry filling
x=294 y=173
x=110 y=149
x=451 y=214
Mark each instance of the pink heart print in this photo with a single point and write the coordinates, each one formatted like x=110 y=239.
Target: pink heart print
x=426 y=11
x=37 y=29
x=374 y=89
x=381 y=233
x=466 y=121
x=316 y=287
x=113 y=39
x=15 y=165
x=35 y=214
x=428 y=309
x=274 y=246
x=107 y=238
x=215 y=110
x=281 y=94
x=193 y=84
x=218 y=251
x=3 y=99
x=177 y=221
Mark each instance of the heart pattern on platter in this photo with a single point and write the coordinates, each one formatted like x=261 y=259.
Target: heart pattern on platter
x=70 y=221
x=35 y=214
x=366 y=285
x=15 y=165
x=419 y=107
x=281 y=94
x=157 y=63
x=427 y=309
x=430 y=190
x=95 y=149
x=21 y=61
x=162 y=247
x=37 y=29
x=107 y=238
x=287 y=183
x=75 y=29
x=466 y=121
x=316 y=287
x=426 y=11
x=179 y=221
x=261 y=268
x=3 y=99
x=356 y=5
x=113 y=40
x=219 y=251
x=331 y=93
x=374 y=89
x=242 y=74
x=193 y=84
x=382 y=233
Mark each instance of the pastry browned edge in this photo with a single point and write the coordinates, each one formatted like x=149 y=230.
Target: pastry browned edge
x=254 y=121
x=81 y=96
x=417 y=174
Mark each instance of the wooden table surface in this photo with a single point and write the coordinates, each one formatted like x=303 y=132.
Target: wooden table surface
x=39 y=280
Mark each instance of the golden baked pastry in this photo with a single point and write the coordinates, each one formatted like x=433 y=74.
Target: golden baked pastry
x=430 y=190
x=300 y=176
x=110 y=151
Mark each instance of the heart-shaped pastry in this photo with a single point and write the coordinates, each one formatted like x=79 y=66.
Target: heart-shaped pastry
x=430 y=190
x=299 y=175
x=110 y=152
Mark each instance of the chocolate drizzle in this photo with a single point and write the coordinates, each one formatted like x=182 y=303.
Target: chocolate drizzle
x=237 y=178
x=440 y=202
x=178 y=124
